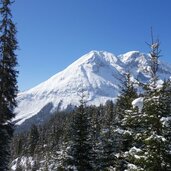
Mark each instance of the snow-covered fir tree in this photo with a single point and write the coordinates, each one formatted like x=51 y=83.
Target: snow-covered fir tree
x=107 y=145
x=8 y=82
x=124 y=104
x=80 y=145
x=150 y=123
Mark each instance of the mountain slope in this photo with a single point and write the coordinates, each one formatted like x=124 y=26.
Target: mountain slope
x=97 y=73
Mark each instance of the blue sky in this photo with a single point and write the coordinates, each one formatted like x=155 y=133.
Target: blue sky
x=54 y=33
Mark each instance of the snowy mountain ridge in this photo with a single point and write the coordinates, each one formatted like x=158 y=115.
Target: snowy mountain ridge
x=97 y=72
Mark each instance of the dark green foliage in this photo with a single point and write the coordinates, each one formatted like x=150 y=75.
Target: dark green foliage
x=124 y=104
x=108 y=145
x=5 y=135
x=80 y=146
x=107 y=151
x=8 y=82
x=41 y=142
x=150 y=150
x=33 y=139
x=156 y=142
x=58 y=129
x=127 y=94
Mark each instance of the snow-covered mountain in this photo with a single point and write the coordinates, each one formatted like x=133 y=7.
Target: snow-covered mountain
x=96 y=73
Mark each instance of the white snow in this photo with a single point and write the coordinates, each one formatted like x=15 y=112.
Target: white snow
x=129 y=56
x=97 y=72
x=23 y=162
x=165 y=121
x=138 y=102
x=134 y=150
x=119 y=131
x=155 y=45
x=122 y=131
x=159 y=84
x=127 y=132
x=14 y=164
x=132 y=167
x=156 y=137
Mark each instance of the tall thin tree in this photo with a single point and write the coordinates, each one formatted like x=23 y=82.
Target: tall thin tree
x=81 y=147
x=150 y=150
x=8 y=80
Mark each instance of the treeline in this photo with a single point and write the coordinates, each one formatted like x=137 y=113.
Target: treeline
x=50 y=145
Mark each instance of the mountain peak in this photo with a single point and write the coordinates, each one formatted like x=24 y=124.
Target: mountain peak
x=95 y=56
x=130 y=56
x=96 y=72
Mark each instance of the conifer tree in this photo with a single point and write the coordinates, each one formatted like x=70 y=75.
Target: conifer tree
x=95 y=133
x=151 y=148
x=8 y=82
x=33 y=139
x=124 y=103
x=107 y=158
x=127 y=94
x=108 y=140
x=80 y=150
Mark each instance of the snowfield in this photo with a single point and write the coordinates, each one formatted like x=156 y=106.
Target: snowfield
x=97 y=74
